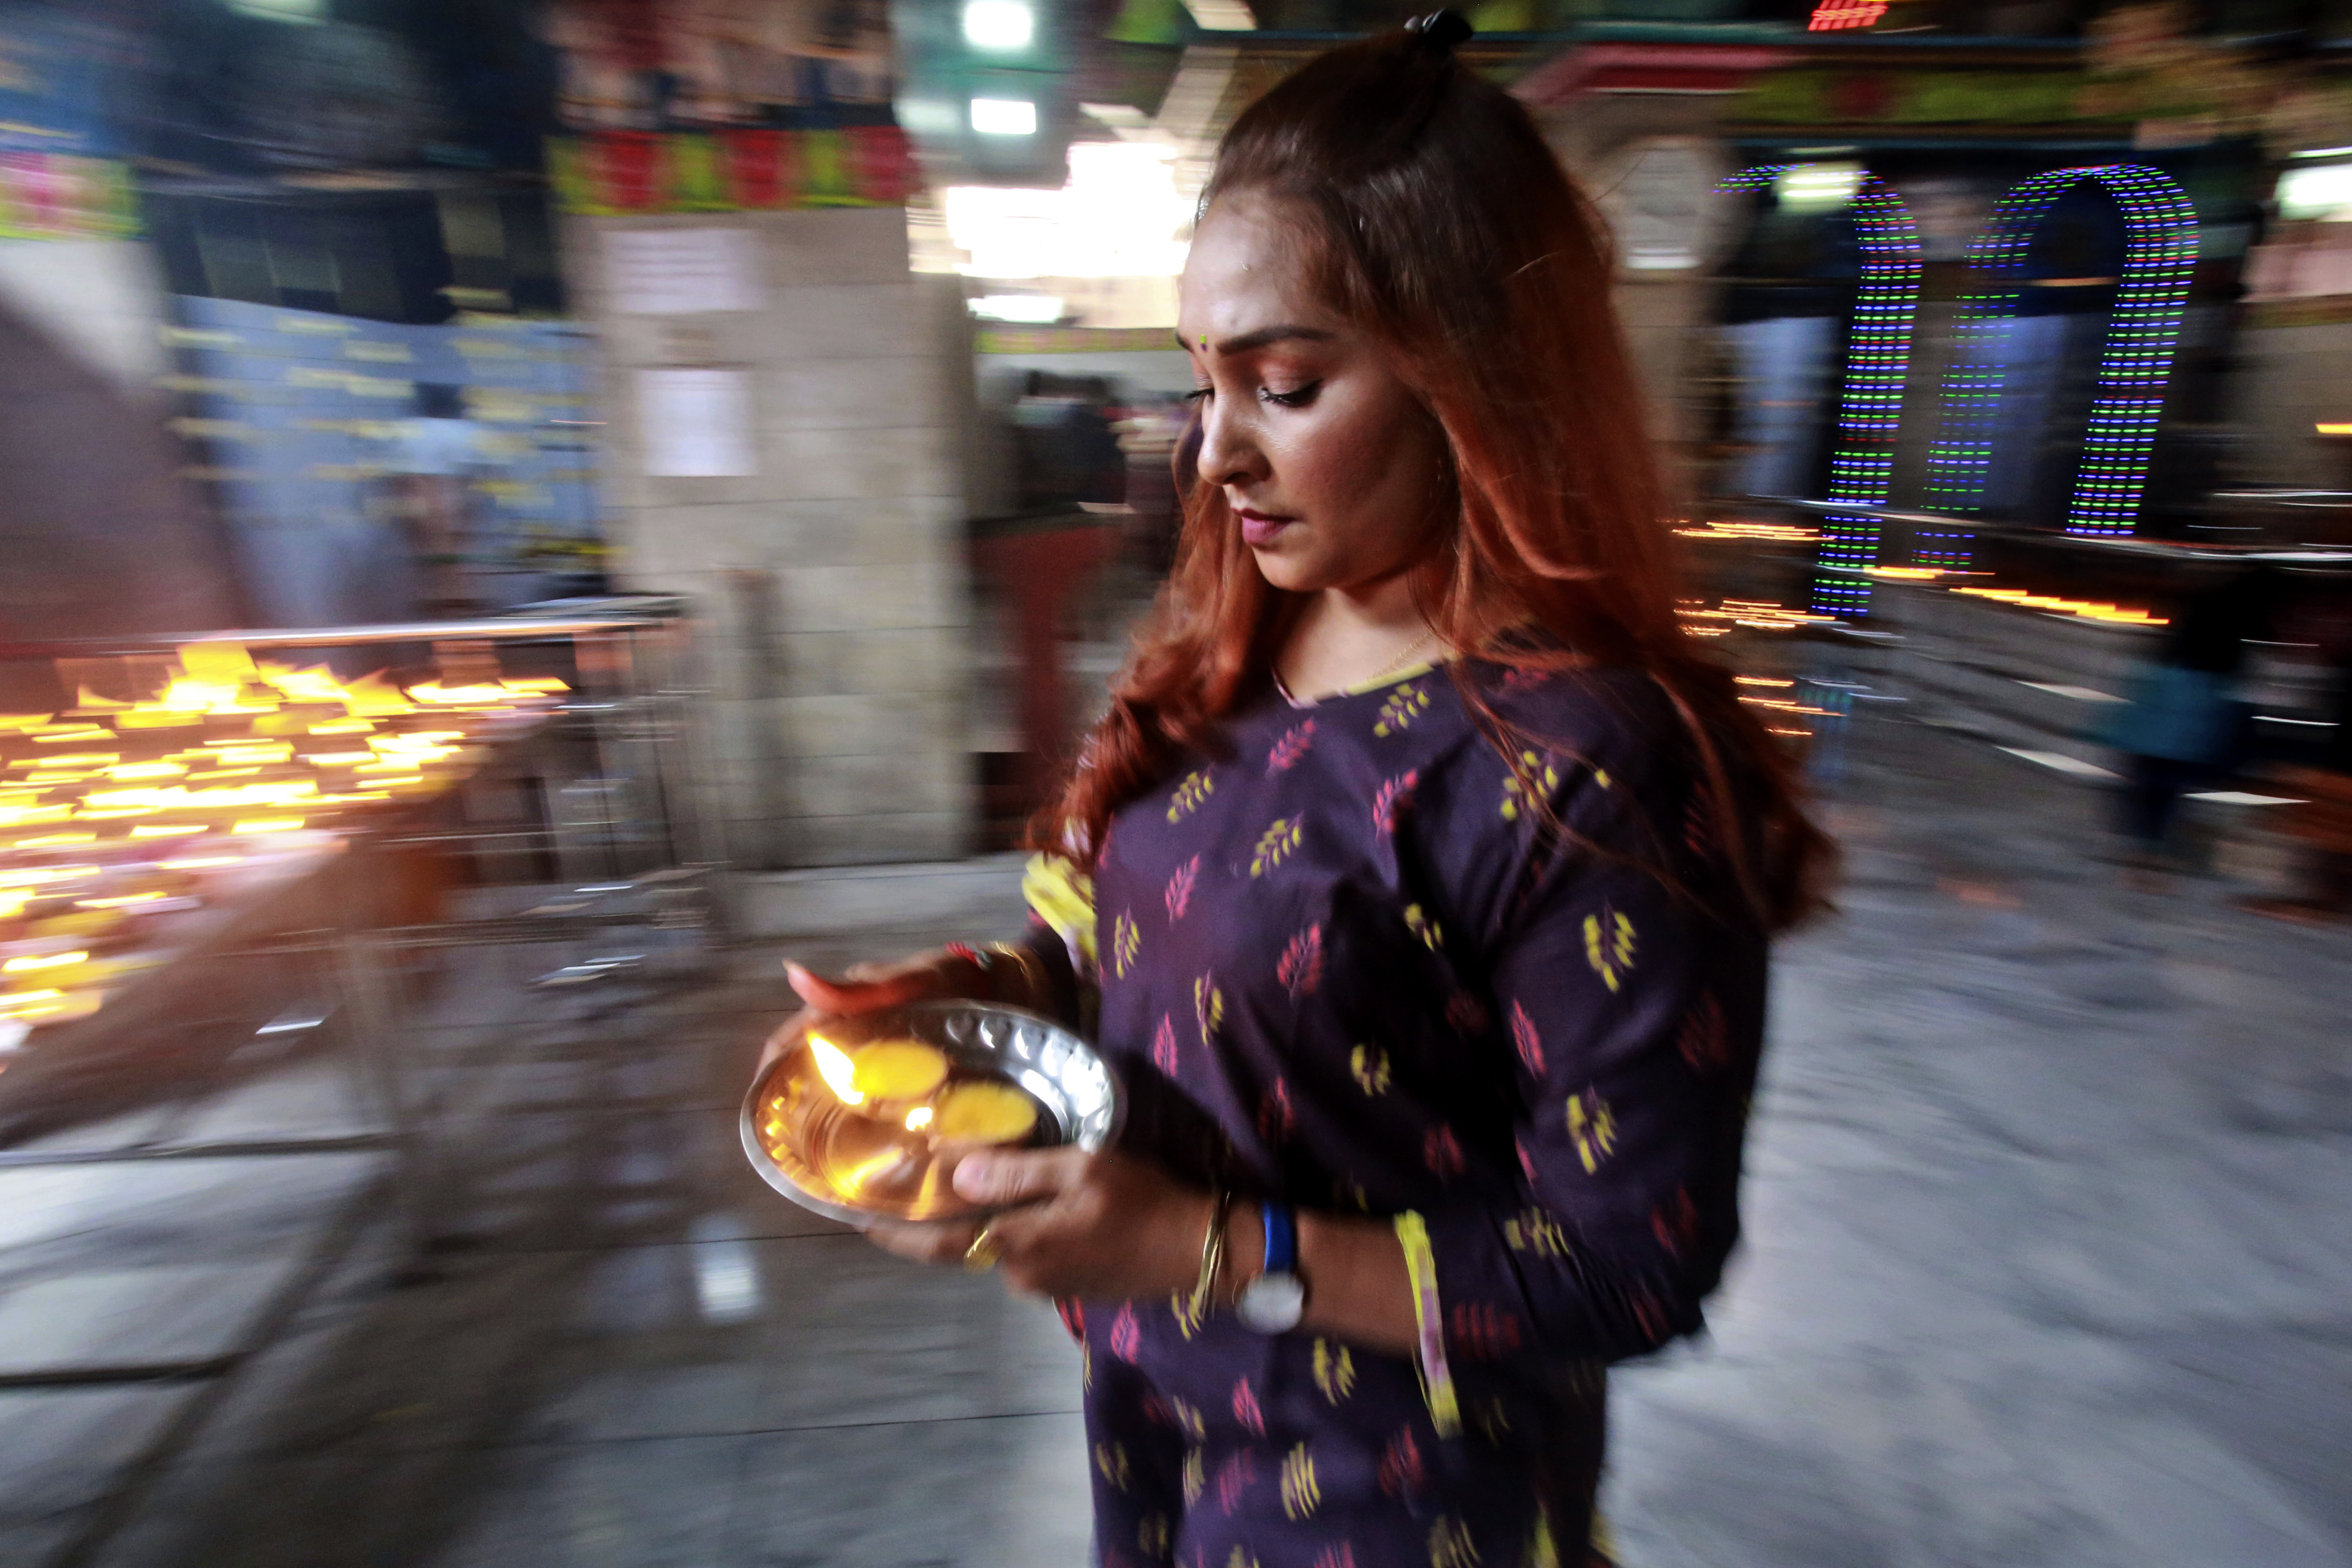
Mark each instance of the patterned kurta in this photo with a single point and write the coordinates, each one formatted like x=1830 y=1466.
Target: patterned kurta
x=1344 y=962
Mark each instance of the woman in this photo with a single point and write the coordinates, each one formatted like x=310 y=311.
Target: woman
x=1420 y=873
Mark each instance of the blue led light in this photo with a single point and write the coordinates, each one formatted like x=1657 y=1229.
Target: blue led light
x=1869 y=413
x=2160 y=252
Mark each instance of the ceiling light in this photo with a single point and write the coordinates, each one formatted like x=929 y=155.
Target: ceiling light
x=1001 y=25
x=1004 y=117
x=1033 y=309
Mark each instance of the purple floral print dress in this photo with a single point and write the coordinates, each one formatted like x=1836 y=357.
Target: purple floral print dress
x=1343 y=962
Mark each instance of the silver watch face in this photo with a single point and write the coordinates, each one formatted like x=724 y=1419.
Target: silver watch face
x=1272 y=1303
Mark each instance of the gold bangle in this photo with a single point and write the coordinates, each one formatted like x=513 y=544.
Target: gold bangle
x=1033 y=974
x=981 y=1254
x=1213 y=1253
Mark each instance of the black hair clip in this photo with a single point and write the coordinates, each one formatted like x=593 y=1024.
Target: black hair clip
x=1442 y=32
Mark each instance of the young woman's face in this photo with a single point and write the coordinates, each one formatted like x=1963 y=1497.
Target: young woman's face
x=1327 y=461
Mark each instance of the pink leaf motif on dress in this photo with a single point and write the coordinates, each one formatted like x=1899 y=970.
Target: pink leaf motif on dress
x=1155 y=1411
x=1701 y=1039
x=1484 y=1332
x=1340 y=1556
x=1289 y=749
x=1441 y=1152
x=1466 y=1014
x=1164 y=1046
x=1126 y=1334
x=1275 y=1118
x=1519 y=677
x=1676 y=1224
x=1527 y=1161
x=1523 y=1034
x=1237 y=1473
x=1180 y=888
x=1245 y=1410
x=1301 y=968
x=1401 y=1470
x=1393 y=800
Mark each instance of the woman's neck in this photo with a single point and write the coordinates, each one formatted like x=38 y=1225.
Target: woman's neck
x=1345 y=638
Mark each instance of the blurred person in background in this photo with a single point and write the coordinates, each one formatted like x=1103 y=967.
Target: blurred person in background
x=436 y=453
x=2183 y=725
x=2321 y=822
x=1421 y=878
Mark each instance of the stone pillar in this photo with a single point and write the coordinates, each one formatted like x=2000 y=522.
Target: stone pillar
x=100 y=536
x=831 y=576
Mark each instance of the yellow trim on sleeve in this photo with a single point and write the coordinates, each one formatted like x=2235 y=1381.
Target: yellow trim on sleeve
x=1429 y=1324
x=1064 y=898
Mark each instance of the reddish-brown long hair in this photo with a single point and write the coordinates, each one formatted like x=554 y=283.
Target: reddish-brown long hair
x=1434 y=217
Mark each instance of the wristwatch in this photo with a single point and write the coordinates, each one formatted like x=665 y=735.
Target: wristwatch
x=1274 y=1301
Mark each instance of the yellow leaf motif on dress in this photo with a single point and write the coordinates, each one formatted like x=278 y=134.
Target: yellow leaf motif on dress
x=1196 y=1476
x=1154 y=1535
x=1125 y=941
x=1300 y=1495
x=1240 y=1559
x=1405 y=704
x=1110 y=1458
x=1196 y=788
x=1190 y=1420
x=1601 y=776
x=1431 y=934
x=1493 y=1423
x=1370 y=1068
x=1181 y=1307
x=1208 y=1005
x=1538 y=772
x=1608 y=945
x=1537 y=1232
x=1335 y=1371
x=1450 y=1545
x=1592 y=1128
x=1274 y=845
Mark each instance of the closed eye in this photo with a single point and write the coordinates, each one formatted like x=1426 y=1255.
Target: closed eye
x=1198 y=394
x=1297 y=399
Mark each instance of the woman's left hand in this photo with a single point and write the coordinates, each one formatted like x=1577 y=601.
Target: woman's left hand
x=1105 y=1226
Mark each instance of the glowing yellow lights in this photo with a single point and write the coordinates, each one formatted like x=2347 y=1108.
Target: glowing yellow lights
x=918 y=1119
x=1777 y=533
x=1906 y=574
x=122 y=901
x=14 y=1004
x=202 y=863
x=268 y=825
x=1761 y=681
x=834 y=1066
x=2089 y=610
x=34 y=961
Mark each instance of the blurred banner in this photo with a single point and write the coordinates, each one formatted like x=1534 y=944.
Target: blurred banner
x=725 y=106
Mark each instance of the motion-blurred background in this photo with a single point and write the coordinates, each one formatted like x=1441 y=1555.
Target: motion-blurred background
x=518 y=513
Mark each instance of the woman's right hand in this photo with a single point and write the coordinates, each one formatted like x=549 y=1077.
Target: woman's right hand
x=867 y=988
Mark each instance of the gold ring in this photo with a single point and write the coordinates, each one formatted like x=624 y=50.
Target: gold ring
x=981 y=1254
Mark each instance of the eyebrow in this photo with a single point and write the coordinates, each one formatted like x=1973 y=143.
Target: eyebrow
x=1261 y=338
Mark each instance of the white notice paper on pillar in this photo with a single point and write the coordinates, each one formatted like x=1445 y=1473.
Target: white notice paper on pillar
x=697 y=424
x=681 y=271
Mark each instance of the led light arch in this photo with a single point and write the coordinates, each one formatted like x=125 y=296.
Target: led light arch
x=2143 y=331
x=1870 y=412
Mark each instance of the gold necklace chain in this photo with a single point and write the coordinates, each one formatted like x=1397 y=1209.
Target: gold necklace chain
x=1403 y=660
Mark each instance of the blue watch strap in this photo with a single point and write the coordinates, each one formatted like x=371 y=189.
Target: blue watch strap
x=1281 y=1239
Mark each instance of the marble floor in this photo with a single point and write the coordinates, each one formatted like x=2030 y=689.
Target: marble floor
x=2049 y=1262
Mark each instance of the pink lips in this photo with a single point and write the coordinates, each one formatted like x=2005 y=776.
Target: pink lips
x=1258 y=529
